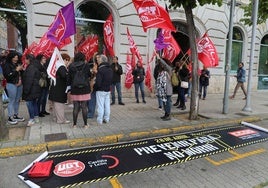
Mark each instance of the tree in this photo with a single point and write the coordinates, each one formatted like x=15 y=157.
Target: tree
x=262 y=12
x=188 y=5
x=19 y=20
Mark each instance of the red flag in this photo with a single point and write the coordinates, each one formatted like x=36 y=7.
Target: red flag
x=207 y=53
x=148 y=75
x=45 y=47
x=129 y=76
x=133 y=48
x=89 y=46
x=108 y=34
x=173 y=48
x=63 y=25
x=153 y=15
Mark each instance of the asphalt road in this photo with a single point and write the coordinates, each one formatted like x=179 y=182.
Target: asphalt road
x=244 y=167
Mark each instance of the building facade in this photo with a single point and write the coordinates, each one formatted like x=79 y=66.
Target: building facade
x=210 y=18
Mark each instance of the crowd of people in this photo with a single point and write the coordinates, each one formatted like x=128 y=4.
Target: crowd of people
x=29 y=81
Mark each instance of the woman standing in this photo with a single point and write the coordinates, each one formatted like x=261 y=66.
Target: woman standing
x=31 y=88
x=164 y=87
x=57 y=92
x=79 y=96
x=13 y=72
x=183 y=76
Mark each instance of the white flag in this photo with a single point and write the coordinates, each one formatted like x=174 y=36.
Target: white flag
x=55 y=62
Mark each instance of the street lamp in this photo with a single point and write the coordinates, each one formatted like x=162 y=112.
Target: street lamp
x=229 y=58
x=252 y=49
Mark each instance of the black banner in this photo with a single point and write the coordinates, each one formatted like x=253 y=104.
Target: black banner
x=92 y=164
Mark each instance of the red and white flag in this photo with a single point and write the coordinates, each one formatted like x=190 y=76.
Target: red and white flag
x=153 y=15
x=108 y=34
x=173 y=48
x=129 y=76
x=207 y=53
x=148 y=74
x=89 y=46
x=55 y=62
x=133 y=48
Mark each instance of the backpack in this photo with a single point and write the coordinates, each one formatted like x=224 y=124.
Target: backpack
x=80 y=81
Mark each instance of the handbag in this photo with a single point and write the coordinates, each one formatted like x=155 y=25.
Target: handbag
x=174 y=79
x=41 y=169
x=5 y=99
x=184 y=84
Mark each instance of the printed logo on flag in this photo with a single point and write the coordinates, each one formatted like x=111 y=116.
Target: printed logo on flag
x=69 y=168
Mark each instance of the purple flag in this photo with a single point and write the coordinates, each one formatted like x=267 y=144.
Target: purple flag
x=159 y=42
x=63 y=25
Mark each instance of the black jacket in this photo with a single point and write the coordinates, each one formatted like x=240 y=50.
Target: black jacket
x=57 y=92
x=104 y=77
x=30 y=81
x=138 y=74
x=117 y=73
x=86 y=72
x=10 y=73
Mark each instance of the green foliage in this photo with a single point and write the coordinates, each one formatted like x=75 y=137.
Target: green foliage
x=19 y=20
x=262 y=12
x=192 y=3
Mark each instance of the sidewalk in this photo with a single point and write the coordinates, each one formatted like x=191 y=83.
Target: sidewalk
x=132 y=121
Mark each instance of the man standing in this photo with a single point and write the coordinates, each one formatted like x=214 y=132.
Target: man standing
x=241 y=78
x=117 y=72
x=103 y=83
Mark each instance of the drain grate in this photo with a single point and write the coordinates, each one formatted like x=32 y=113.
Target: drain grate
x=55 y=137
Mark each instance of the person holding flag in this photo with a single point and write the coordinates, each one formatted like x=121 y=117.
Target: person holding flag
x=57 y=94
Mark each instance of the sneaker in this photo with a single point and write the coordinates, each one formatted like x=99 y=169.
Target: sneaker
x=36 y=119
x=160 y=108
x=121 y=103
x=105 y=121
x=17 y=118
x=167 y=118
x=11 y=121
x=30 y=122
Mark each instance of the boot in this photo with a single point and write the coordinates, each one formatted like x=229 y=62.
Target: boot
x=163 y=117
x=167 y=118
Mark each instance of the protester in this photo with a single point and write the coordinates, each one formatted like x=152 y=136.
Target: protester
x=12 y=72
x=79 y=96
x=92 y=102
x=57 y=92
x=164 y=87
x=42 y=64
x=177 y=68
x=241 y=79
x=102 y=86
x=31 y=89
x=156 y=72
x=183 y=76
x=203 y=82
x=138 y=77
x=116 y=83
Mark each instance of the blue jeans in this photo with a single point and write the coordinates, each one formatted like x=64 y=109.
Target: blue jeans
x=182 y=92
x=204 y=88
x=137 y=86
x=117 y=85
x=14 y=95
x=103 y=106
x=32 y=108
x=91 y=105
x=167 y=105
x=42 y=101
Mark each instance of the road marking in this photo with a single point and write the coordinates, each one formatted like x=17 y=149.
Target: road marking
x=236 y=156
x=115 y=183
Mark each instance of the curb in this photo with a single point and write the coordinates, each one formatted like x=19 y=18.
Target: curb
x=109 y=139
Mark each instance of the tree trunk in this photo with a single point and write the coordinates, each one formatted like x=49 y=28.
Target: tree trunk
x=194 y=104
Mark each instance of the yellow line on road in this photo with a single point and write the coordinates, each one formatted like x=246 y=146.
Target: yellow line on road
x=236 y=156
x=115 y=183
